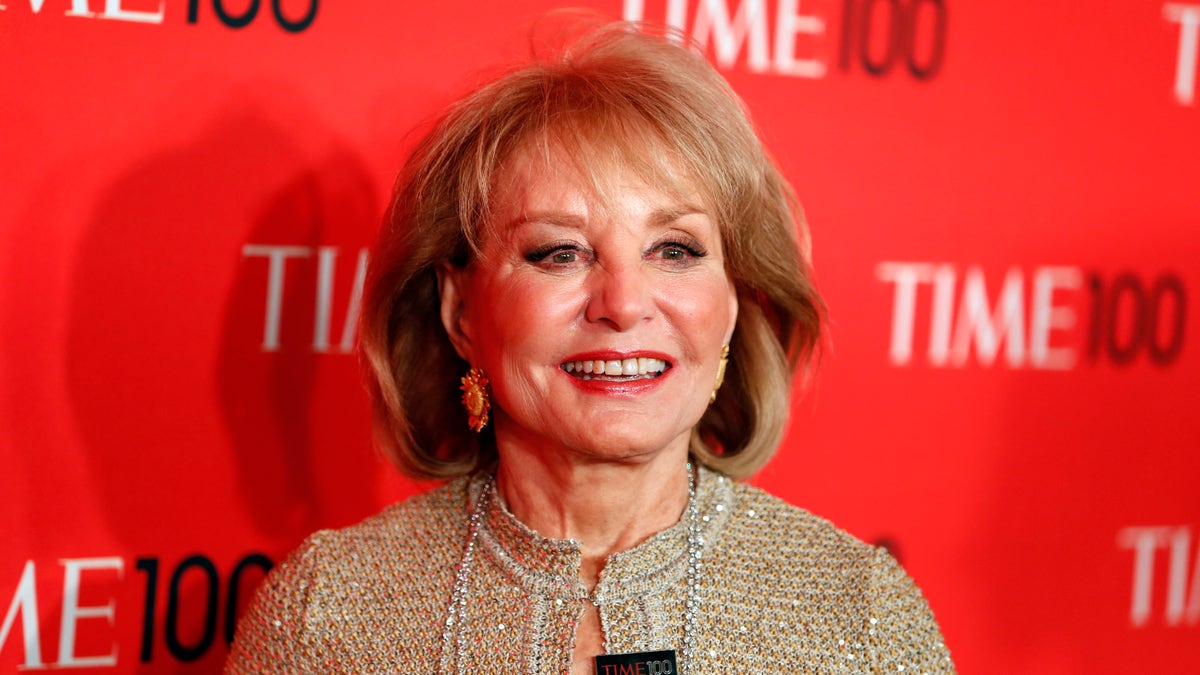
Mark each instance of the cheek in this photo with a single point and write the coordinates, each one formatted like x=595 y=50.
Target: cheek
x=519 y=316
x=703 y=310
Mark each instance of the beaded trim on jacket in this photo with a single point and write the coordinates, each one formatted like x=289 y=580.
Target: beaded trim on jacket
x=684 y=565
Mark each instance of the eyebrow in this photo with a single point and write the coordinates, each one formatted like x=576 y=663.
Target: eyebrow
x=659 y=218
x=668 y=216
x=549 y=217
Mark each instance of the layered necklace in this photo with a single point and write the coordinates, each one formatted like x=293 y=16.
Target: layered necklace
x=452 y=638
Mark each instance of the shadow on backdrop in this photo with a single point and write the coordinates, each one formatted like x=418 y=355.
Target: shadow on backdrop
x=168 y=380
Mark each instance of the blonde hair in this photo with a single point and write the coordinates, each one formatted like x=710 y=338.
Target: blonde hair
x=616 y=95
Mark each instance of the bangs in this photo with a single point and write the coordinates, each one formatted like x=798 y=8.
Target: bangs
x=604 y=157
x=680 y=131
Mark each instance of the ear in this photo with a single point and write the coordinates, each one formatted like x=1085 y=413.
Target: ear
x=733 y=311
x=453 y=291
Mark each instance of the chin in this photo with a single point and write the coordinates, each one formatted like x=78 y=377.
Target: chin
x=625 y=447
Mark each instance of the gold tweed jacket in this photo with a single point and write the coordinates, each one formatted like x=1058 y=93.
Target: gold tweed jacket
x=781 y=591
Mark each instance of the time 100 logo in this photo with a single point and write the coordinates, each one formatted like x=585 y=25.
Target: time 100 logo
x=244 y=17
x=292 y=20
x=214 y=607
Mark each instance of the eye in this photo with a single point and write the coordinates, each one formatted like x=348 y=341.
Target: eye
x=675 y=253
x=556 y=255
x=679 y=251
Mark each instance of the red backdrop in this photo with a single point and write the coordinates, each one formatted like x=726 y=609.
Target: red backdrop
x=1002 y=200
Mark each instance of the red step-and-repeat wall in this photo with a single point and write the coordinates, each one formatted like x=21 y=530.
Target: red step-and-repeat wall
x=1005 y=205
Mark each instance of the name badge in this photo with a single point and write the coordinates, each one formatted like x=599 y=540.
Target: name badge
x=638 y=663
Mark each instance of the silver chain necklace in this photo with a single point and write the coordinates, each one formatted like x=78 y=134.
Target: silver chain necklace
x=452 y=639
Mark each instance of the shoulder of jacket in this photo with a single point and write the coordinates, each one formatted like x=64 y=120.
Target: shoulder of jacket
x=443 y=505
x=781 y=529
x=437 y=514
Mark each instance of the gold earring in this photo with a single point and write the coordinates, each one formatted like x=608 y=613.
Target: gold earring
x=475 y=399
x=720 y=372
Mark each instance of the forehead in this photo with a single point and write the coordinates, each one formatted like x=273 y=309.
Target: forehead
x=586 y=179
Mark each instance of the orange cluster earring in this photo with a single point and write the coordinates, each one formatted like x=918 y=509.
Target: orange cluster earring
x=720 y=372
x=475 y=399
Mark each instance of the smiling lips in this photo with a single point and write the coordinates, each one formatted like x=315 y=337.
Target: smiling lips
x=616 y=370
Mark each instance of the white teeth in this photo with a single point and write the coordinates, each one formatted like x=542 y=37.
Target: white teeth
x=640 y=366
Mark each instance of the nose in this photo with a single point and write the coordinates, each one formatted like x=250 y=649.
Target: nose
x=620 y=296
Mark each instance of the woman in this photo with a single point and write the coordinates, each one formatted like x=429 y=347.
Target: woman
x=585 y=310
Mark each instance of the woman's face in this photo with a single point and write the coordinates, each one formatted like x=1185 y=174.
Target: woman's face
x=571 y=283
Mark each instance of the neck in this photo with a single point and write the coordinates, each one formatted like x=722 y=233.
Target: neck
x=607 y=505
